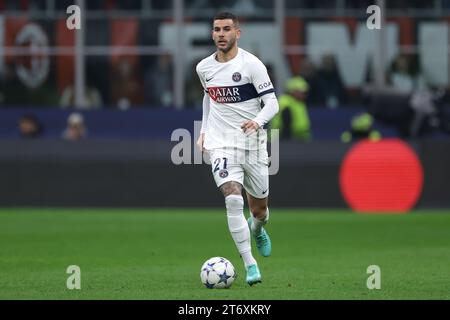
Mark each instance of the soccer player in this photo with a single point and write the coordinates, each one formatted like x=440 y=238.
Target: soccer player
x=235 y=83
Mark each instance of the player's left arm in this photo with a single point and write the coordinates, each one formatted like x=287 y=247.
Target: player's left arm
x=264 y=87
x=264 y=116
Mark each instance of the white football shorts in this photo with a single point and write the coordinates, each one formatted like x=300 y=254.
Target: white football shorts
x=250 y=168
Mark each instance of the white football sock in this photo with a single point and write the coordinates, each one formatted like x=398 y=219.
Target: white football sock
x=239 y=228
x=258 y=224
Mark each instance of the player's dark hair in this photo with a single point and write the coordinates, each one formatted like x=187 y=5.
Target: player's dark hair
x=227 y=15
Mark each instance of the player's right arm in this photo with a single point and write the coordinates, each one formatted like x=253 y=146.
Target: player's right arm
x=201 y=139
x=205 y=108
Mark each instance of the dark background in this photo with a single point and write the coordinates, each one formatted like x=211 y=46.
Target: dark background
x=139 y=173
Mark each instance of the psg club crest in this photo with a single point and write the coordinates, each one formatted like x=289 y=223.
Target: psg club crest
x=237 y=77
x=223 y=173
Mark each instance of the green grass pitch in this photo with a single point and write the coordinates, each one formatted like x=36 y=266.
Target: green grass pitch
x=157 y=254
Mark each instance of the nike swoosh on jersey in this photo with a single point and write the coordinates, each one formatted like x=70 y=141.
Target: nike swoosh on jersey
x=207 y=80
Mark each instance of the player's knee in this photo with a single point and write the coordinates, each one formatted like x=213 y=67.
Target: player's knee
x=230 y=188
x=234 y=204
x=259 y=211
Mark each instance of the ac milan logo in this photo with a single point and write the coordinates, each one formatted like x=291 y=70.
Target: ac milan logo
x=223 y=173
x=33 y=69
x=237 y=77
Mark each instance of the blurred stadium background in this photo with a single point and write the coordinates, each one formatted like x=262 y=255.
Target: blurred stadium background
x=128 y=75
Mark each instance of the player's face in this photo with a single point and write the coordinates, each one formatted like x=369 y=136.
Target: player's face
x=225 y=34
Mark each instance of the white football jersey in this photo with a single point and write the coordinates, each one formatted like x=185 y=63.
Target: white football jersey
x=235 y=88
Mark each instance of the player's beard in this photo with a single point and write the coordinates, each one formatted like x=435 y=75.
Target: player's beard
x=230 y=45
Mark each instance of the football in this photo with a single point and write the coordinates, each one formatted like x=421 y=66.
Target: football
x=217 y=273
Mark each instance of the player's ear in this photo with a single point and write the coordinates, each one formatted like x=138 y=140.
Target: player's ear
x=238 y=34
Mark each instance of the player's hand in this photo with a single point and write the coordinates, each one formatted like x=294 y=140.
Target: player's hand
x=250 y=127
x=200 y=142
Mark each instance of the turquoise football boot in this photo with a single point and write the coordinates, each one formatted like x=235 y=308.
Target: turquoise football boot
x=263 y=242
x=253 y=274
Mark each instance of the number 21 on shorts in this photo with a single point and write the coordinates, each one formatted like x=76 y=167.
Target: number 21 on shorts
x=223 y=173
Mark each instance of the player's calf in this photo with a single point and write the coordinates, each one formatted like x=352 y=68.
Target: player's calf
x=262 y=239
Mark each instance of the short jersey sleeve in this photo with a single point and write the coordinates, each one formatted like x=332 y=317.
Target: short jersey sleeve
x=260 y=78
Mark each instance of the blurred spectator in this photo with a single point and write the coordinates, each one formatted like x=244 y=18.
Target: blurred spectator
x=413 y=115
x=76 y=127
x=404 y=75
x=309 y=73
x=361 y=127
x=293 y=120
x=331 y=87
x=127 y=89
x=14 y=92
x=159 y=82
x=29 y=126
x=99 y=71
x=92 y=100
